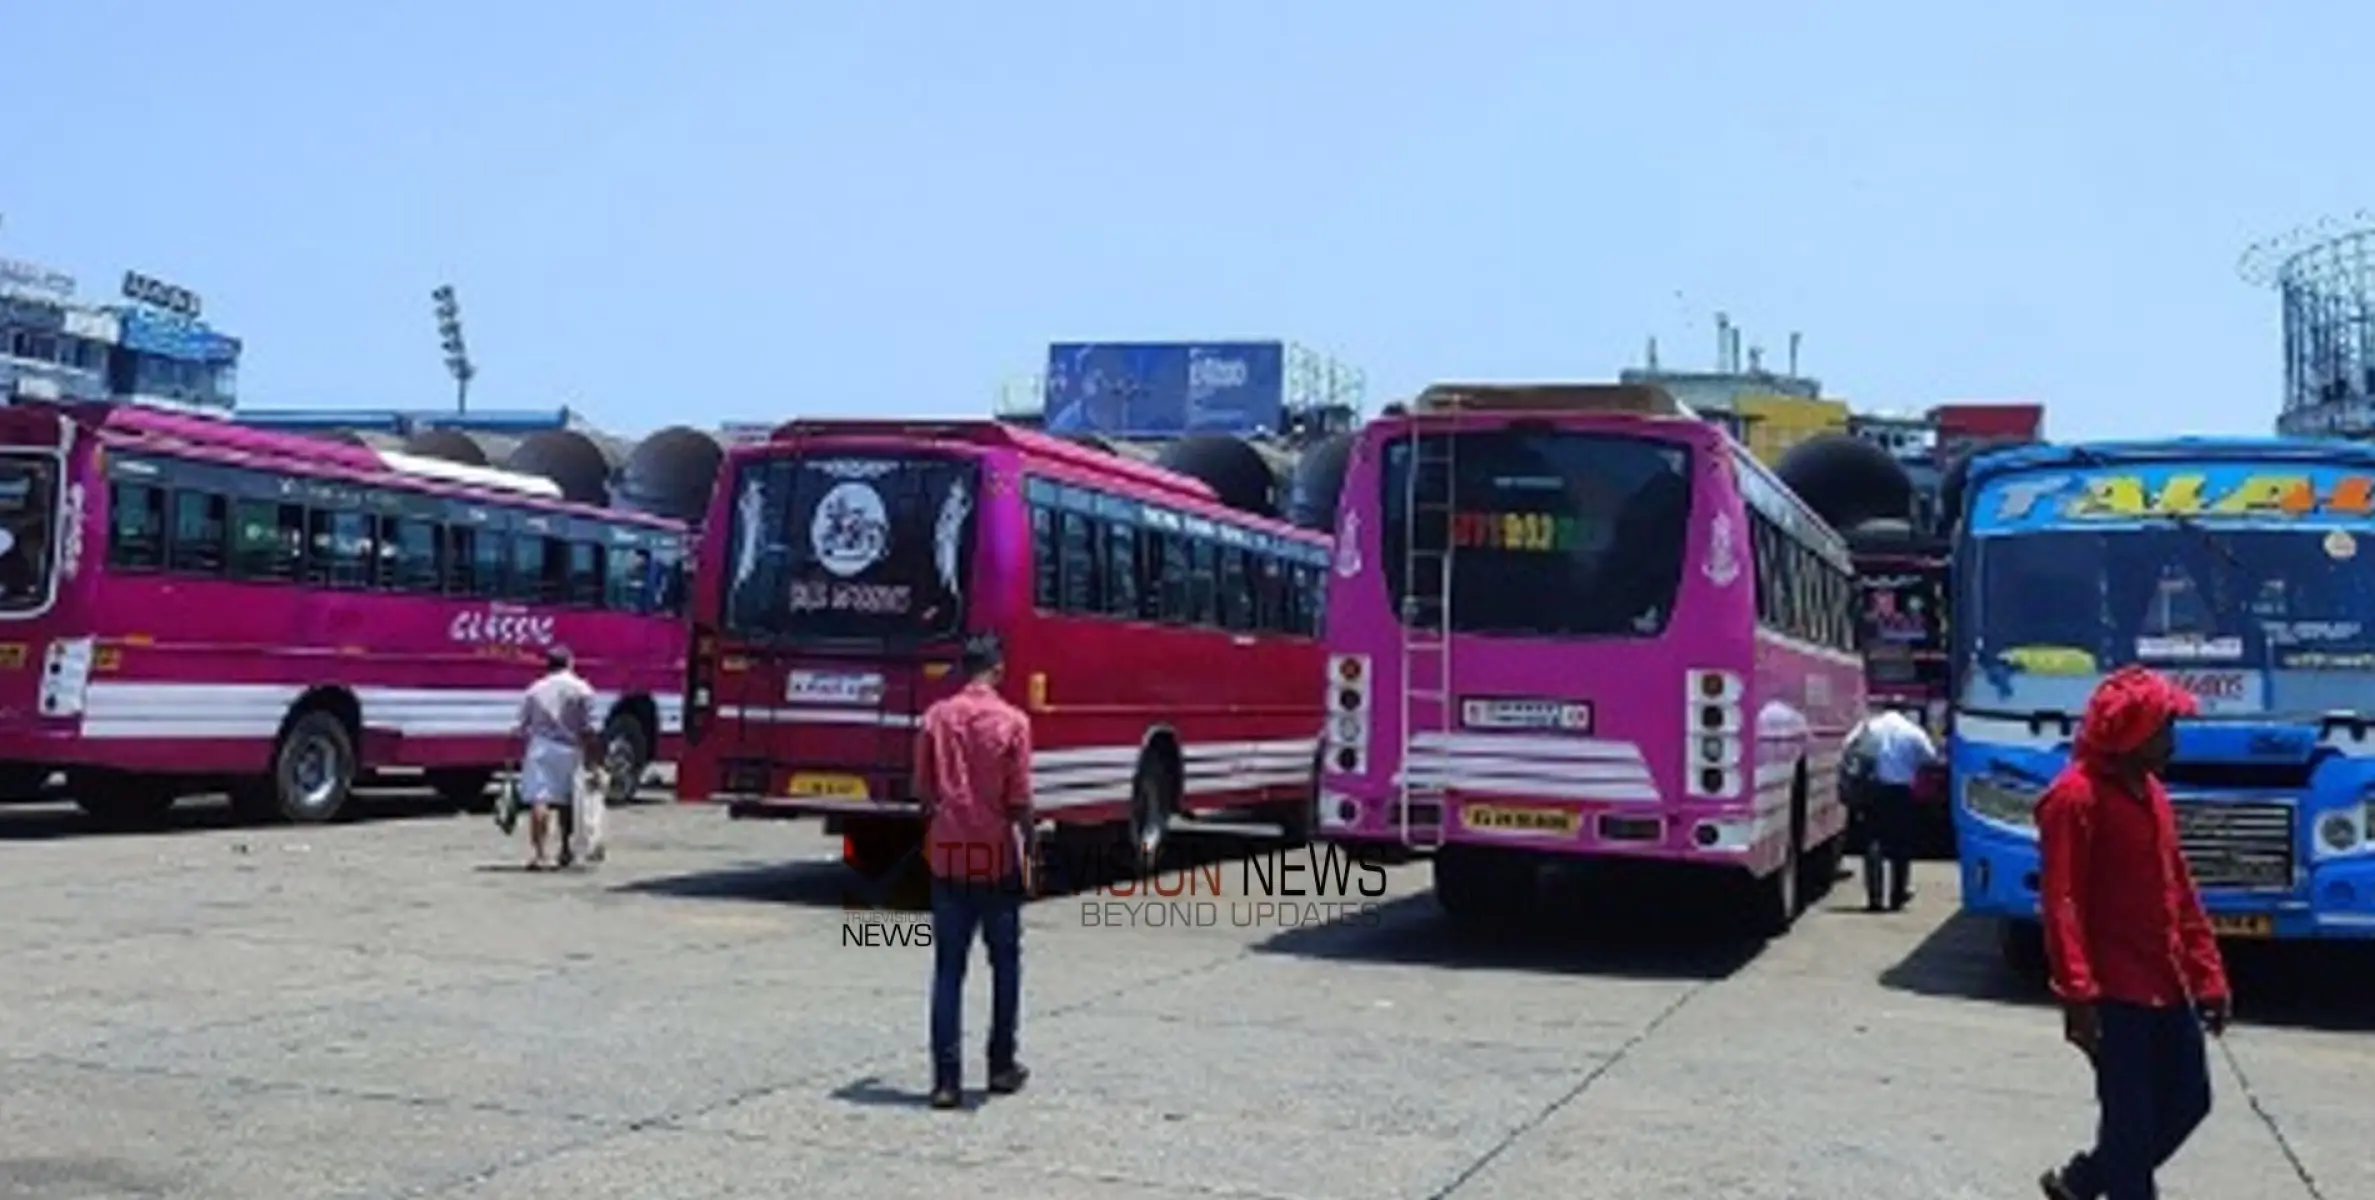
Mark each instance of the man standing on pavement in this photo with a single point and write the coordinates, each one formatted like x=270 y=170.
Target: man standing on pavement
x=973 y=775
x=2134 y=962
x=1890 y=751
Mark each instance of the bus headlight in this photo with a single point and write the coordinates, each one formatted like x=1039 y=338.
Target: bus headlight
x=2343 y=830
x=1996 y=800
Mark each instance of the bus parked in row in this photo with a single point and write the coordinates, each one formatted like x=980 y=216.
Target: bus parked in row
x=1577 y=622
x=1161 y=641
x=2242 y=568
x=188 y=605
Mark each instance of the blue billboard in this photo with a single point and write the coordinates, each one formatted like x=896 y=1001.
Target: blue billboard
x=1165 y=389
x=169 y=335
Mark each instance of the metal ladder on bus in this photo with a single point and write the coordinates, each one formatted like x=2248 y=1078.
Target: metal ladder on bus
x=1426 y=628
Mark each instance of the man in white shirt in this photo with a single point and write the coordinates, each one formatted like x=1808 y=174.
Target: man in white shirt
x=1884 y=754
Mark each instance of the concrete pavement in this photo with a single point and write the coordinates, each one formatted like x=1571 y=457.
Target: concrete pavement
x=391 y=1008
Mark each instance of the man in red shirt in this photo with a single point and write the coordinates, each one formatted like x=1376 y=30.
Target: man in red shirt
x=973 y=775
x=2134 y=962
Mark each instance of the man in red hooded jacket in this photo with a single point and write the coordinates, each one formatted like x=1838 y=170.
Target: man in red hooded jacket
x=2134 y=962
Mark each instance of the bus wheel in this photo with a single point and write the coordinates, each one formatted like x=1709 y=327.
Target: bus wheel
x=464 y=788
x=1477 y=887
x=2022 y=943
x=120 y=799
x=1781 y=902
x=1154 y=796
x=626 y=754
x=313 y=768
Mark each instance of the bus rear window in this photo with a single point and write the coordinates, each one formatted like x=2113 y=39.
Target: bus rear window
x=849 y=548
x=1551 y=534
x=28 y=508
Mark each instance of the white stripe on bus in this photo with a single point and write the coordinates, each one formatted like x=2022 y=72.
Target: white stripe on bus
x=118 y=710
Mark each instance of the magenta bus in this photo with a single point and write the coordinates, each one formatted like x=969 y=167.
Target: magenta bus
x=191 y=606
x=1162 y=641
x=1577 y=622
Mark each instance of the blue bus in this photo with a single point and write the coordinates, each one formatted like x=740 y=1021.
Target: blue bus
x=2244 y=569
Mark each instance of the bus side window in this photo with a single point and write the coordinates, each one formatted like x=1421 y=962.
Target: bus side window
x=1178 y=563
x=490 y=560
x=1121 y=571
x=672 y=582
x=1148 y=564
x=342 y=548
x=1235 y=591
x=585 y=574
x=628 y=586
x=1269 y=609
x=1046 y=593
x=538 y=569
x=1203 y=584
x=136 y=526
x=414 y=563
x=461 y=547
x=198 y=533
x=1076 y=557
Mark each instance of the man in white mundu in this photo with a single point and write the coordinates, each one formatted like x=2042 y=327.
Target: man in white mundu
x=557 y=724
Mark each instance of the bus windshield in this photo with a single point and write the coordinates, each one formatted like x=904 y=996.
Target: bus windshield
x=2289 y=613
x=1554 y=534
x=28 y=504
x=849 y=548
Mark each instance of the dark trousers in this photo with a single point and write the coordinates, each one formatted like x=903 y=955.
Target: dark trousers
x=2152 y=1082
x=1888 y=843
x=959 y=910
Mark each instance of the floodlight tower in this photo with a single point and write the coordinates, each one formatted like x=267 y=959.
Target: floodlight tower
x=2324 y=279
x=449 y=337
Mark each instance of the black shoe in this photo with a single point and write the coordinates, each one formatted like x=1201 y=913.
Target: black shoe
x=2054 y=1186
x=1898 y=904
x=567 y=859
x=949 y=1096
x=1007 y=1080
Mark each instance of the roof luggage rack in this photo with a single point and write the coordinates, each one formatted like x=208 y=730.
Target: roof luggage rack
x=1640 y=399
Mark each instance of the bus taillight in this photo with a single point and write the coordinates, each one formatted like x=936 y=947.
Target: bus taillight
x=1712 y=734
x=700 y=669
x=1347 y=733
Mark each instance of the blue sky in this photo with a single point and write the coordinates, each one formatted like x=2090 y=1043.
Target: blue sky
x=716 y=211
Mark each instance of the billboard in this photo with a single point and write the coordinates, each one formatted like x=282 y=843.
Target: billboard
x=1777 y=423
x=170 y=335
x=1961 y=426
x=1165 y=389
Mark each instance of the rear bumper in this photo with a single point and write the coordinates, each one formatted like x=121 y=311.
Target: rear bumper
x=750 y=808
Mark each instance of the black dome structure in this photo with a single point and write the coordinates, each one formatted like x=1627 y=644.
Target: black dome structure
x=451 y=445
x=574 y=462
x=1231 y=467
x=1847 y=481
x=670 y=474
x=1318 y=483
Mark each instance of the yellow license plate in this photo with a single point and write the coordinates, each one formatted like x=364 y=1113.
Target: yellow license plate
x=826 y=787
x=1498 y=818
x=2241 y=926
x=12 y=656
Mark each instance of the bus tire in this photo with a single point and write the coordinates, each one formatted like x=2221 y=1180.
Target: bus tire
x=2022 y=945
x=1782 y=895
x=121 y=800
x=626 y=756
x=1477 y=888
x=465 y=788
x=313 y=768
x=1154 y=797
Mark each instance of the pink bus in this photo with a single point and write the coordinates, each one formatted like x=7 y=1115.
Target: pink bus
x=1162 y=641
x=190 y=606
x=1578 y=622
